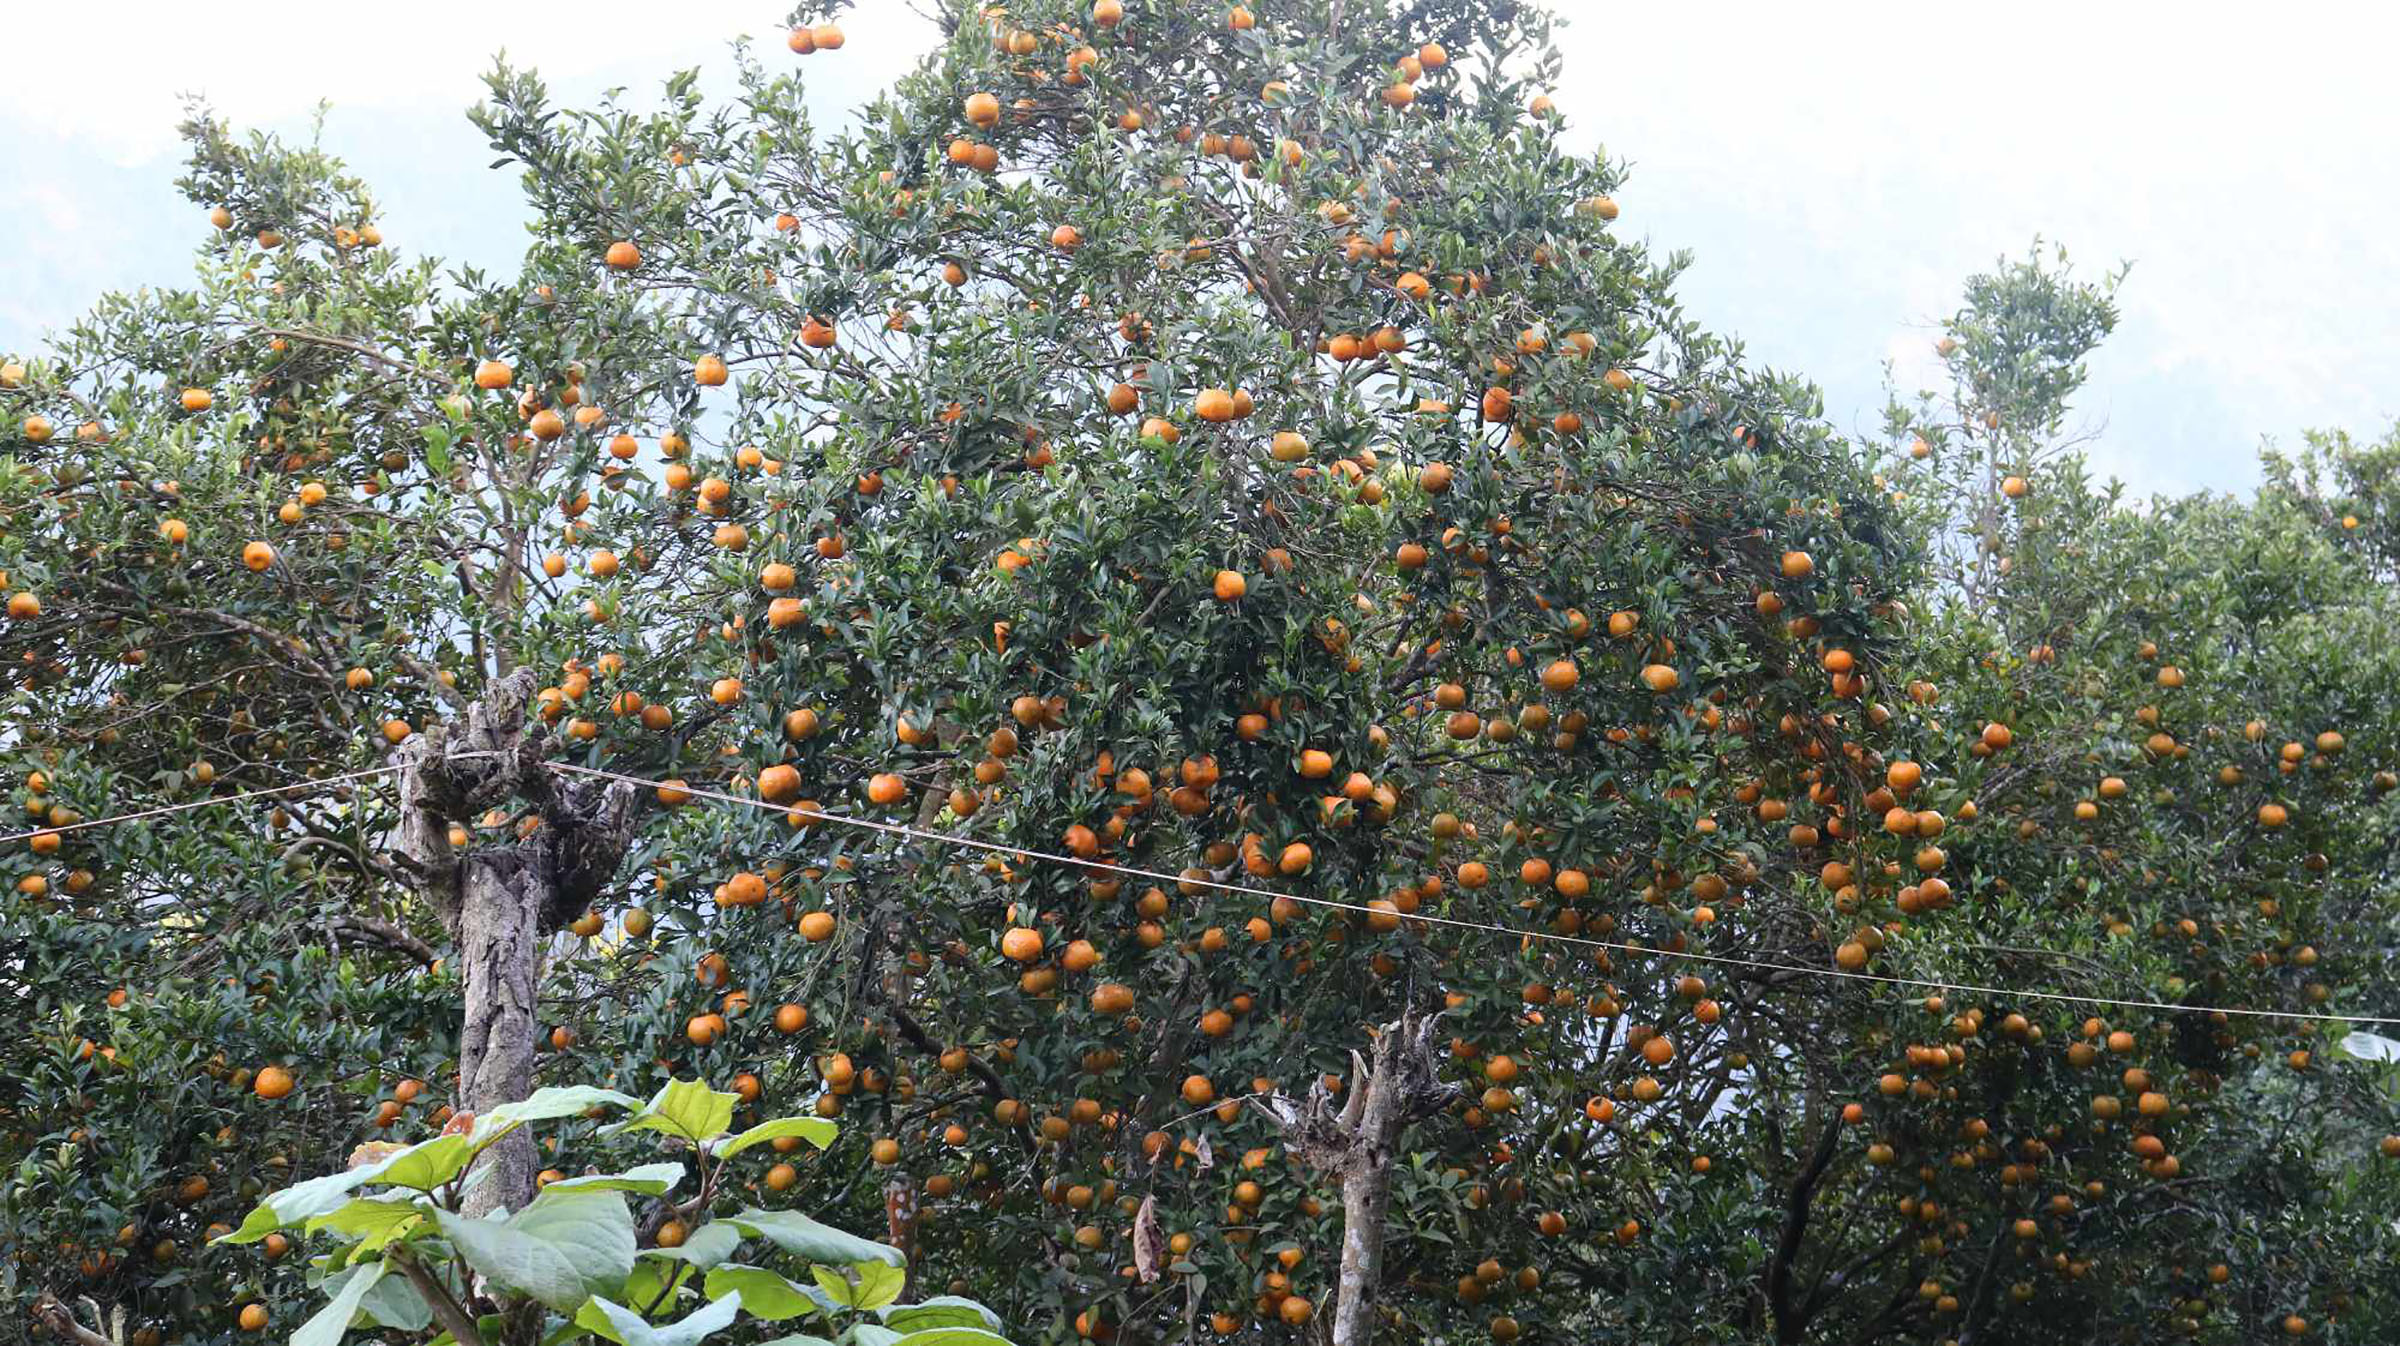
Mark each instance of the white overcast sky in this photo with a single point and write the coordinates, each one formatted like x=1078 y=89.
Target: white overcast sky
x=1836 y=170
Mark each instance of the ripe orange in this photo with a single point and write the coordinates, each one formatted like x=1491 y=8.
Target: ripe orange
x=254 y=1317
x=779 y=784
x=493 y=375
x=1214 y=405
x=197 y=399
x=1229 y=585
x=272 y=1083
x=1022 y=943
x=887 y=788
x=1197 y=1091
x=623 y=255
x=257 y=556
x=983 y=110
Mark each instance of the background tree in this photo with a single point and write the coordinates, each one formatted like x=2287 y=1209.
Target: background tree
x=1042 y=625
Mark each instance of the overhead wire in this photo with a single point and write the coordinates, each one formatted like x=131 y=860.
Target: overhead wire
x=1244 y=890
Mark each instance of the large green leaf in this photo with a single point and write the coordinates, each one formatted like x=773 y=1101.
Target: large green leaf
x=815 y=1130
x=427 y=1166
x=635 y=1330
x=545 y=1105
x=684 y=1108
x=326 y=1326
x=810 y=1241
x=393 y=1302
x=876 y=1284
x=647 y=1285
x=953 y=1336
x=704 y=1247
x=939 y=1311
x=558 y=1250
x=649 y=1179
x=306 y=1200
x=372 y=1220
x=764 y=1293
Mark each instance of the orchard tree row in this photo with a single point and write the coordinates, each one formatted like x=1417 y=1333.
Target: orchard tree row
x=1169 y=681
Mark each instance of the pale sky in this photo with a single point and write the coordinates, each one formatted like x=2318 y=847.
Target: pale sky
x=1837 y=171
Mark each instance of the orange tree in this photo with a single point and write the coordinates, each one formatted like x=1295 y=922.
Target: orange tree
x=1179 y=631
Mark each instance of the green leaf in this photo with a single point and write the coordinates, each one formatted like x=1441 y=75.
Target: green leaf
x=953 y=1336
x=810 y=1241
x=879 y=1283
x=871 y=1334
x=429 y=1165
x=644 y=1285
x=649 y=1180
x=558 y=1250
x=634 y=1330
x=298 y=1202
x=326 y=1326
x=372 y=1220
x=437 y=450
x=549 y=1104
x=704 y=1247
x=393 y=1302
x=939 y=1311
x=835 y=1286
x=797 y=1339
x=318 y=1196
x=685 y=1108
x=764 y=1293
x=815 y=1130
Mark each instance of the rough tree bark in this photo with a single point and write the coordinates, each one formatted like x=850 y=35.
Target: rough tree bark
x=498 y=900
x=1357 y=1144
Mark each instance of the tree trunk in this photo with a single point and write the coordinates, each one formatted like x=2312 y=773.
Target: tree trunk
x=500 y=957
x=1358 y=1145
x=498 y=901
x=1366 y=1199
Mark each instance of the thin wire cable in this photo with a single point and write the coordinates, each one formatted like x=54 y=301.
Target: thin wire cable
x=977 y=843
x=209 y=802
